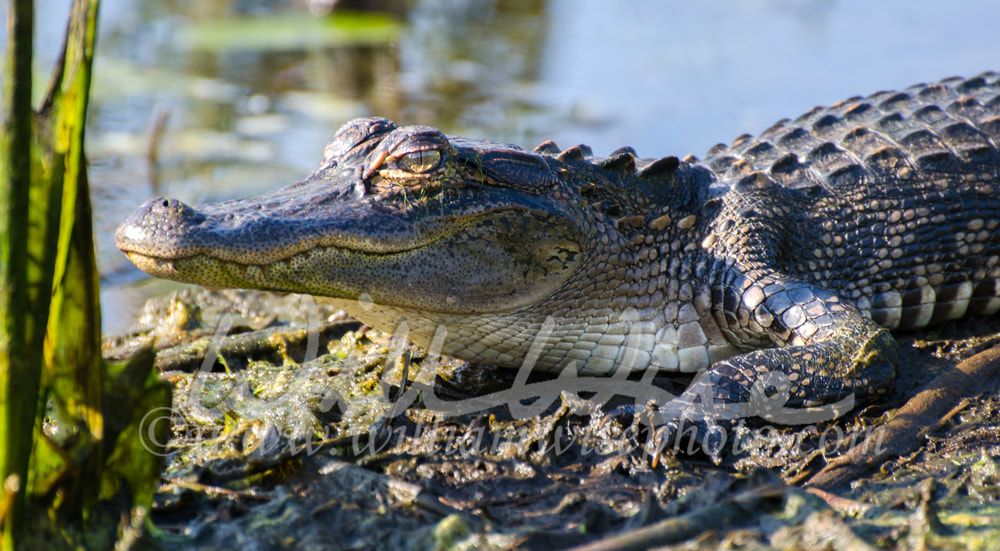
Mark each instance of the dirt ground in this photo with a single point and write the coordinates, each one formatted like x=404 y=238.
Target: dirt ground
x=291 y=430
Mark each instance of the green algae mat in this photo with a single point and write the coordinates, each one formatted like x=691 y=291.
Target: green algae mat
x=294 y=427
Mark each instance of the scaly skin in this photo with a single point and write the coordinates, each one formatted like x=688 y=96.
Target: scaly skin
x=792 y=252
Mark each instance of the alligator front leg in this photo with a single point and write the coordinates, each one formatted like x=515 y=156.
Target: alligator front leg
x=827 y=356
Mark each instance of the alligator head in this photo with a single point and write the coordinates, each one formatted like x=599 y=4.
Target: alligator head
x=411 y=223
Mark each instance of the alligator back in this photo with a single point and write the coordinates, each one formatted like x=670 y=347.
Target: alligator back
x=896 y=198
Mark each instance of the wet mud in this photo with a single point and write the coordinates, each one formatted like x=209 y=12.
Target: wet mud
x=295 y=427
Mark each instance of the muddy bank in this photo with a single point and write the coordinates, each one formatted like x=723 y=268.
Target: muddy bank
x=295 y=427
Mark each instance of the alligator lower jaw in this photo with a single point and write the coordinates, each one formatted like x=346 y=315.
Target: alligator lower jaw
x=236 y=275
x=214 y=273
x=156 y=267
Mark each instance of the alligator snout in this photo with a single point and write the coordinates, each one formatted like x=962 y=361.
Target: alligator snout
x=168 y=220
x=167 y=210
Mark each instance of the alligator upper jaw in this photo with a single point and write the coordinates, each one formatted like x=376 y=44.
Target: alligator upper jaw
x=261 y=231
x=459 y=273
x=253 y=243
x=320 y=212
x=494 y=253
x=164 y=231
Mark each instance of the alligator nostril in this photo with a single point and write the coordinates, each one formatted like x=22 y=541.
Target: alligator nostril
x=166 y=203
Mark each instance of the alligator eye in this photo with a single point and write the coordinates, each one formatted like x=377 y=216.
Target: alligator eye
x=420 y=162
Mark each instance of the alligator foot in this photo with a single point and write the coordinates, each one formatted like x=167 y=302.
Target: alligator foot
x=795 y=385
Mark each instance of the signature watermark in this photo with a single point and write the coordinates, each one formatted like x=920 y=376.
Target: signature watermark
x=694 y=420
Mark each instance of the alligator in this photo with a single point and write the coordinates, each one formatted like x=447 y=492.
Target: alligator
x=792 y=253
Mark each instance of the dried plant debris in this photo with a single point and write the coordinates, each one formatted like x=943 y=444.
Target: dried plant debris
x=295 y=427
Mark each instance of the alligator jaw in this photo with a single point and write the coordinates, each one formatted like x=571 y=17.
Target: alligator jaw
x=488 y=260
x=269 y=229
x=401 y=215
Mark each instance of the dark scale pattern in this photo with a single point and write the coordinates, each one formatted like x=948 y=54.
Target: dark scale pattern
x=792 y=252
x=879 y=209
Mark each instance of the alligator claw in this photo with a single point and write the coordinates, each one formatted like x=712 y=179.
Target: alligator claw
x=669 y=433
x=689 y=437
x=624 y=415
